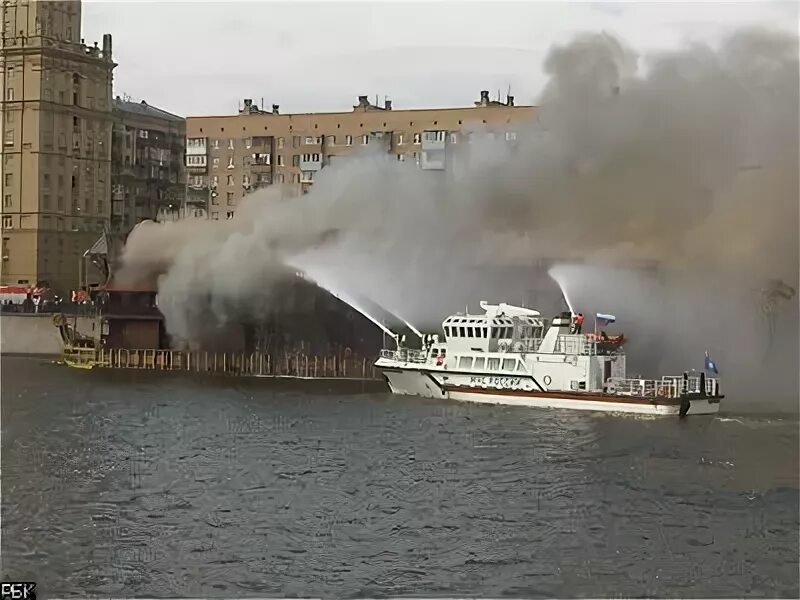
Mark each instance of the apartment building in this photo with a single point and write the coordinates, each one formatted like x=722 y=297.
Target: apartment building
x=228 y=157
x=147 y=172
x=55 y=125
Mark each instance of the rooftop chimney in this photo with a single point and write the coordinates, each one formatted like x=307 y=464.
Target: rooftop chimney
x=363 y=101
x=275 y=108
x=484 y=97
x=510 y=101
x=107 y=45
x=248 y=102
x=387 y=104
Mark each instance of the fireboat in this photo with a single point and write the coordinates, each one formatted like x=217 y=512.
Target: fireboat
x=511 y=355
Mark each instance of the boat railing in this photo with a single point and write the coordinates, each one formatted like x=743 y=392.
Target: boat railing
x=405 y=355
x=575 y=343
x=666 y=387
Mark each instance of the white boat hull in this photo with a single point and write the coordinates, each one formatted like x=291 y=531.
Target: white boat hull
x=434 y=384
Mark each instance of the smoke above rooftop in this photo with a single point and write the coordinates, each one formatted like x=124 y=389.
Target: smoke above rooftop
x=686 y=158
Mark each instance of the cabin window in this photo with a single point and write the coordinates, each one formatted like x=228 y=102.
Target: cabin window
x=461 y=332
x=469 y=331
x=508 y=332
x=495 y=333
x=493 y=364
x=447 y=331
x=479 y=363
x=509 y=364
x=435 y=353
x=465 y=363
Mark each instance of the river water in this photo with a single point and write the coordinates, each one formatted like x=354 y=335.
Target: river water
x=145 y=484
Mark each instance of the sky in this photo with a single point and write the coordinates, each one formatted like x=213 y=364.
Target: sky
x=202 y=58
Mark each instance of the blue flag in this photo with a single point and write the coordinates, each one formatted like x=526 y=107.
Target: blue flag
x=711 y=365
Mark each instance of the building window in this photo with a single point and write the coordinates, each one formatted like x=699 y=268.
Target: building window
x=331 y=140
x=296 y=160
x=401 y=157
x=9 y=116
x=216 y=163
x=308 y=177
x=10 y=94
x=230 y=144
x=143 y=133
x=245 y=179
x=230 y=163
x=215 y=144
x=511 y=136
x=215 y=181
x=308 y=141
x=215 y=216
x=280 y=143
x=230 y=198
x=9 y=137
x=7 y=201
x=214 y=200
x=400 y=140
x=296 y=178
x=348 y=140
x=280 y=160
x=279 y=178
x=230 y=179
x=453 y=138
x=417 y=138
x=364 y=140
x=9 y=178
x=7 y=222
x=248 y=142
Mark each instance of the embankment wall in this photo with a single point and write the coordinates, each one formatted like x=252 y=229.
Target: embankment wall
x=36 y=334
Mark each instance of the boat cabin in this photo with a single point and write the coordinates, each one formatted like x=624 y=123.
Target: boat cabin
x=500 y=328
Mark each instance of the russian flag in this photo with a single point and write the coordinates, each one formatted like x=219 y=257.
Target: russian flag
x=711 y=365
x=603 y=319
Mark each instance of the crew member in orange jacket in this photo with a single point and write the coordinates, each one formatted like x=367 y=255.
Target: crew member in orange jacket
x=579 y=323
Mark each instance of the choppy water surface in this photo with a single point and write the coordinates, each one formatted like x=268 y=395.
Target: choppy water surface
x=146 y=485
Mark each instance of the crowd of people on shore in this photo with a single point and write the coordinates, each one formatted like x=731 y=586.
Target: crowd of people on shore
x=42 y=299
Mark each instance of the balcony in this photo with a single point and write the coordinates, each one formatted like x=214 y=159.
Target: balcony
x=310 y=162
x=196 y=163
x=434 y=140
x=433 y=160
x=196 y=146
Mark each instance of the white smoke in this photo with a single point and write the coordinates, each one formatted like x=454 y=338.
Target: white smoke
x=688 y=158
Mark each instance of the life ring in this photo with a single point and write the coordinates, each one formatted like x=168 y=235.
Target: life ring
x=547 y=380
